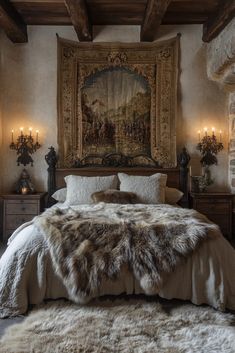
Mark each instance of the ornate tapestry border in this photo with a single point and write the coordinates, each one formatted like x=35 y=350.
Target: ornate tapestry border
x=157 y=62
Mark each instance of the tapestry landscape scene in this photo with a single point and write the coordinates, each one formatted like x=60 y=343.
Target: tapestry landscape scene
x=116 y=113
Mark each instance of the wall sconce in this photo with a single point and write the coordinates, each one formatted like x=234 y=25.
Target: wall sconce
x=25 y=146
x=209 y=147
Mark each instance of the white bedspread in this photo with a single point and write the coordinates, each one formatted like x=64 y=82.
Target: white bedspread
x=27 y=276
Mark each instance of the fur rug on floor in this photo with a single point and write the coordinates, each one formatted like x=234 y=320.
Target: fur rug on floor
x=122 y=326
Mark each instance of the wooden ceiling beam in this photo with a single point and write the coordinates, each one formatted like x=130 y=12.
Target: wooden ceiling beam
x=217 y=22
x=12 y=23
x=154 y=13
x=77 y=10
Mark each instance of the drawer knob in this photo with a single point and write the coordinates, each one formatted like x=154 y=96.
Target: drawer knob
x=23 y=208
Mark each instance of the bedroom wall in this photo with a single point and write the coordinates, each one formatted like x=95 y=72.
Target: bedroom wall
x=29 y=82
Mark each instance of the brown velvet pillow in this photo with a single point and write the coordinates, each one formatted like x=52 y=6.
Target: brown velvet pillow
x=114 y=196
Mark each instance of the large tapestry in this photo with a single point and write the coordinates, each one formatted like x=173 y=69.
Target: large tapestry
x=117 y=99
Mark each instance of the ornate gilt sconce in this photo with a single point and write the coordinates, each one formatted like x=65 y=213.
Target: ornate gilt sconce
x=25 y=146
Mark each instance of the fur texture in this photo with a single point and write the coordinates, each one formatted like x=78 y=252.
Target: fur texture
x=87 y=248
x=114 y=196
x=122 y=327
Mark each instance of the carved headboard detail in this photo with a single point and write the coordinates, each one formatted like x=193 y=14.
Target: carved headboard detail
x=177 y=177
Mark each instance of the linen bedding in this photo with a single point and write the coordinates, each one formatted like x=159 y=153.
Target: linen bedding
x=27 y=275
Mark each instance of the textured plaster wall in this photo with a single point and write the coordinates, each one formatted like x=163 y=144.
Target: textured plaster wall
x=29 y=86
x=221 y=68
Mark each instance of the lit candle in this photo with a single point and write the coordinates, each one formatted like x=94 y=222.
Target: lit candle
x=213 y=131
x=30 y=131
x=37 y=132
x=199 y=135
x=12 y=136
x=21 y=130
x=220 y=136
x=24 y=191
x=205 y=129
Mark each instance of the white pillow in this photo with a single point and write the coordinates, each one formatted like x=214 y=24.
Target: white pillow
x=149 y=189
x=60 y=195
x=173 y=195
x=80 y=188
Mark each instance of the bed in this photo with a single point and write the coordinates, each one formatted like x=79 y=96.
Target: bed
x=203 y=270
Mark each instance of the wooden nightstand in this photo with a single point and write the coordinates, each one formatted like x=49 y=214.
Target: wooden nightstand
x=217 y=207
x=18 y=209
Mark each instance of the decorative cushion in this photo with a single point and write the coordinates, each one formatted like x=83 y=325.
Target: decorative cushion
x=80 y=188
x=173 y=195
x=149 y=189
x=114 y=196
x=60 y=195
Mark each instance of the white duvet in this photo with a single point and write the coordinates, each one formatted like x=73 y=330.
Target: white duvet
x=27 y=276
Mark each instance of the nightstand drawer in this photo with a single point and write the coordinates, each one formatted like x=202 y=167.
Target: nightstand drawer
x=217 y=207
x=14 y=221
x=212 y=208
x=21 y=208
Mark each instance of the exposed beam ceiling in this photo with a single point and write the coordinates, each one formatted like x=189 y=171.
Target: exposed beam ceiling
x=83 y=14
x=77 y=10
x=217 y=22
x=12 y=23
x=154 y=13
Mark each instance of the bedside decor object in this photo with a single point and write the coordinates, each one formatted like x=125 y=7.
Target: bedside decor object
x=25 y=146
x=24 y=185
x=209 y=146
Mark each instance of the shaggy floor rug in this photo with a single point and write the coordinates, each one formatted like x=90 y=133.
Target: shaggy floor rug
x=121 y=326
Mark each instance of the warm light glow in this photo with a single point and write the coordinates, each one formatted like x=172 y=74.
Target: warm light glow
x=199 y=135
x=37 y=131
x=213 y=129
x=12 y=131
x=30 y=129
x=205 y=129
x=21 y=129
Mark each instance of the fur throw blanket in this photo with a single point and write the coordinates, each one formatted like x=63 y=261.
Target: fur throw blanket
x=93 y=243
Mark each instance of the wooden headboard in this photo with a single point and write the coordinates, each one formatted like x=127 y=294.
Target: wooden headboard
x=176 y=177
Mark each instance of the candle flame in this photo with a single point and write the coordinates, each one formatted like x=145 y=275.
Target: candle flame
x=213 y=129
x=205 y=129
x=30 y=129
x=21 y=129
x=12 y=131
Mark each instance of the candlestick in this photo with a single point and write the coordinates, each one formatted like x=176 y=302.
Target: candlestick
x=21 y=130
x=205 y=129
x=12 y=137
x=199 y=135
x=30 y=131
x=220 y=136
x=213 y=131
x=37 y=131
